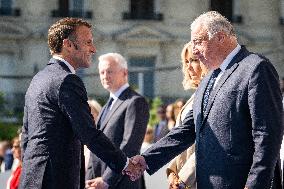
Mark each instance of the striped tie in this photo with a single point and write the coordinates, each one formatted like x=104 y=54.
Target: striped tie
x=209 y=88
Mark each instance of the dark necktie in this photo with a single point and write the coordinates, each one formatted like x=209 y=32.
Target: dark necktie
x=108 y=105
x=209 y=88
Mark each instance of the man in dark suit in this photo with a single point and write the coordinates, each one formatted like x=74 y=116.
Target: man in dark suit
x=57 y=118
x=123 y=121
x=237 y=114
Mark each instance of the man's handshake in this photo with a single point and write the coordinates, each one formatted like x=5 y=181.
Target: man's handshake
x=137 y=165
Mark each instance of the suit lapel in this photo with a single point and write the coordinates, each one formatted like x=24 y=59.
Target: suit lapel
x=228 y=72
x=100 y=116
x=115 y=106
x=190 y=100
x=202 y=89
x=198 y=100
x=220 y=83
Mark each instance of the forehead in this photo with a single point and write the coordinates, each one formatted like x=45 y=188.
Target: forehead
x=108 y=64
x=188 y=53
x=198 y=32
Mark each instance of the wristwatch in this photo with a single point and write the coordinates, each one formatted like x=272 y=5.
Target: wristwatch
x=182 y=185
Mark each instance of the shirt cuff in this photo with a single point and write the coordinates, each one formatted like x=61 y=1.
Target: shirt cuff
x=127 y=162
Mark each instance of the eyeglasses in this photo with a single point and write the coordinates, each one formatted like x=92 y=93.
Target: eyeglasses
x=199 y=40
x=16 y=146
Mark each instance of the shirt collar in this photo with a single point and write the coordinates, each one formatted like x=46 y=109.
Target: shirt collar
x=65 y=62
x=119 y=91
x=229 y=58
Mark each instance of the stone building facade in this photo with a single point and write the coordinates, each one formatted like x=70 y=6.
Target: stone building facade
x=148 y=33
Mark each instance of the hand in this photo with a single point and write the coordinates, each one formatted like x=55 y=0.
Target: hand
x=97 y=183
x=137 y=165
x=173 y=181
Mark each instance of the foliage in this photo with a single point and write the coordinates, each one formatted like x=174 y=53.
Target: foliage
x=154 y=104
x=8 y=131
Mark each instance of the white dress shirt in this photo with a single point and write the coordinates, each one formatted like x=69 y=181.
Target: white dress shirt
x=226 y=62
x=116 y=94
x=65 y=62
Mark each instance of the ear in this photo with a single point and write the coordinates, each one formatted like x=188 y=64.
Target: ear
x=221 y=36
x=66 y=43
x=126 y=72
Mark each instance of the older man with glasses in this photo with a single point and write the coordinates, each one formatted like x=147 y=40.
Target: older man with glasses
x=236 y=119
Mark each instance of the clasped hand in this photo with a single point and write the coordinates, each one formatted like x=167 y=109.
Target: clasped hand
x=137 y=165
x=97 y=183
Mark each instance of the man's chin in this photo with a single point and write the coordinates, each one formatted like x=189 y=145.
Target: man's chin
x=107 y=87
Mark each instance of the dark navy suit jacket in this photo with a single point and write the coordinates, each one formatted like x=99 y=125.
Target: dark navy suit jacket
x=57 y=121
x=238 y=138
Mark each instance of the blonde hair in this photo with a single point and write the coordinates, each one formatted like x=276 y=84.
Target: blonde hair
x=95 y=106
x=187 y=81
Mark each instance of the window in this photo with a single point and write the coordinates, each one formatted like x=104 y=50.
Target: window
x=6 y=8
x=7 y=68
x=227 y=8
x=63 y=7
x=141 y=75
x=142 y=10
x=77 y=8
x=72 y=8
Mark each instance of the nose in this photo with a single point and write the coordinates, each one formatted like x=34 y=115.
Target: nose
x=189 y=67
x=195 y=51
x=103 y=75
x=93 y=49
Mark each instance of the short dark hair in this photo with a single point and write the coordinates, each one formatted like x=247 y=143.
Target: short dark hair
x=63 y=29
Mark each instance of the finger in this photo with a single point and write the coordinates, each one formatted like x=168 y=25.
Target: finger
x=94 y=184
x=89 y=182
x=135 y=160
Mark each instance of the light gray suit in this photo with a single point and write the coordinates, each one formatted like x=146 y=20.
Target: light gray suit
x=125 y=125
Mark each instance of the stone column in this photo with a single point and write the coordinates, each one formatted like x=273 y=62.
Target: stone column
x=281 y=12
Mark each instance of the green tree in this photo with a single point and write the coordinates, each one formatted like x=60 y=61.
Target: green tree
x=7 y=130
x=154 y=104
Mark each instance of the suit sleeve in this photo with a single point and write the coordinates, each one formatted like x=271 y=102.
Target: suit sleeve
x=175 y=142
x=135 y=124
x=264 y=100
x=73 y=103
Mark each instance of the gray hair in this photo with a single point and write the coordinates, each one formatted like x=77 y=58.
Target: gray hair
x=214 y=22
x=115 y=57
